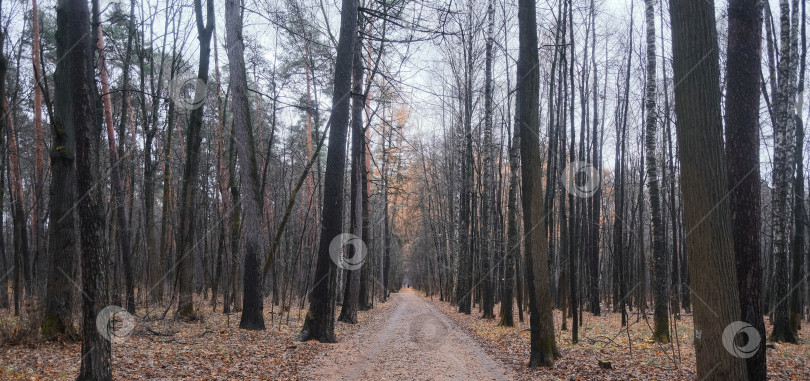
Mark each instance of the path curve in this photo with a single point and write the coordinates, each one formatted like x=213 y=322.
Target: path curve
x=411 y=341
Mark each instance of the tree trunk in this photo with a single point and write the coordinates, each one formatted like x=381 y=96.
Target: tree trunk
x=62 y=249
x=703 y=175
x=187 y=238
x=543 y=346
x=783 y=167
x=348 y=312
x=251 y=206
x=22 y=251
x=38 y=220
x=3 y=161
x=742 y=162
x=487 y=215
x=619 y=265
x=77 y=96
x=320 y=320
x=512 y=235
x=596 y=201
x=661 y=287
x=799 y=211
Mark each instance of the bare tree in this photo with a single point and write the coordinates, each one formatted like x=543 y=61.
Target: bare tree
x=357 y=216
x=784 y=131
x=186 y=239
x=703 y=175
x=320 y=320
x=252 y=306
x=543 y=346
x=742 y=160
x=77 y=96
x=661 y=284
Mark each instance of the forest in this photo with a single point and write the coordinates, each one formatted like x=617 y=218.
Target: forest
x=404 y=189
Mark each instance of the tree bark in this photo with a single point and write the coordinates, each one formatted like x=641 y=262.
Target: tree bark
x=784 y=126
x=703 y=175
x=799 y=212
x=348 y=312
x=188 y=197
x=76 y=71
x=251 y=206
x=3 y=161
x=543 y=346
x=38 y=221
x=661 y=286
x=320 y=320
x=62 y=249
x=487 y=205
x=742 y=162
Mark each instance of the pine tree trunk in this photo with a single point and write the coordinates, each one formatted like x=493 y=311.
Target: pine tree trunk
x=38 y=220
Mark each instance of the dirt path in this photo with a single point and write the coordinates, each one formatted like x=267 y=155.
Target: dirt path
x=410 y=341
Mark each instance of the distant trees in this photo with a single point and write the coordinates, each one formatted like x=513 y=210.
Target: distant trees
x=226 y=197
x=122 y=232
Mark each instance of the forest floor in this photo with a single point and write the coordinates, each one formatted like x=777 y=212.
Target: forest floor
x=409 y=337
x=631 y=353
x=212 y=348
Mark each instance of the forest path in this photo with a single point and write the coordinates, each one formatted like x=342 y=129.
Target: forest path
x=410 y=341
